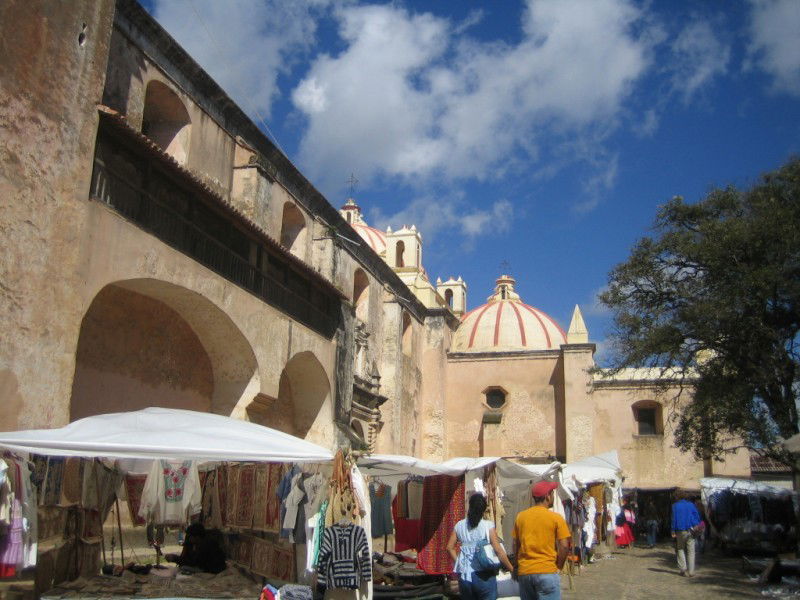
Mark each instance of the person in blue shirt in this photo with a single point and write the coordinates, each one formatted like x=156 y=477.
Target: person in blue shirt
x=685 y=519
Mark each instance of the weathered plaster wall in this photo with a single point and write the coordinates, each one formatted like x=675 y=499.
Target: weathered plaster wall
x=433 y=421
x=578 y=416
x=211 y=149
x=136 y=352
x=650 y=460
x=528 y=426
x=51 y=78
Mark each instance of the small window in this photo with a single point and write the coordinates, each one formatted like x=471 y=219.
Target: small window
x=495 y=398
x=646 y=418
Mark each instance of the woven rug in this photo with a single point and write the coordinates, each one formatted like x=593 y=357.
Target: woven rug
x=260 y=497
x=263 y=558
x=273 y=508
x=232 y=490
x=245 y=497
x=442 y=508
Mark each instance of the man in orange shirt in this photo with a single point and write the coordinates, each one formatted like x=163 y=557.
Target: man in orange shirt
x=541 y=544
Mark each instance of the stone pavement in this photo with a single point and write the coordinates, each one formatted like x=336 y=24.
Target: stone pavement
x=653 y=574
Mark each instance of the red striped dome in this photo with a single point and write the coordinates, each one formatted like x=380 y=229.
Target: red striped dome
x=375 y=238
x=506 y=323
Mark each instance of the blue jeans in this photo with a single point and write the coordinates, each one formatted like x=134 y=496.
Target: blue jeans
x=652 y=531
x=482 y=587
x=540 y=587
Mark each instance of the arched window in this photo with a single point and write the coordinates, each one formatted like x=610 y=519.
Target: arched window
x=361 y=295
x=647 y=415
x=400 y=250
x=418 y=253
x=293 y=228
x=406 y=337
x=495 y=397
x=448 y=296
x=165 y=120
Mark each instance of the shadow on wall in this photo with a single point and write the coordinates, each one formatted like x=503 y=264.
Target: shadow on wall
x=146 y=342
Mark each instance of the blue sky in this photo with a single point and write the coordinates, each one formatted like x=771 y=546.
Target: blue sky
x=544 y=134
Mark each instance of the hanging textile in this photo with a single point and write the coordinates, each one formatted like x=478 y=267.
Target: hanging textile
x=6 y=494
x=53 y=480
x=232 y=491
x=442 y=508
x=342 y=502
x=408 y=532
x=171 y=493
x=72 y=482
x=344 y=559
x=284 y=488
x=19 y=545
x=245 y=497
x=380 y=496
x=415 y=490
x=134 y=486
x=401 y=501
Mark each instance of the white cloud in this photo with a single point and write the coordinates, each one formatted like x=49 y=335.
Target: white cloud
x=408 y=97
x=243 y=45
x=774 y=45
x=697 y=57
x=432 y=215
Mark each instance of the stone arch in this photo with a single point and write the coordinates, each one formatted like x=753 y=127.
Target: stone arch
x=166 y=121
x=146 y=342
x=361 y=294
x=293 y=229
x=448 y=297
x=304 y=400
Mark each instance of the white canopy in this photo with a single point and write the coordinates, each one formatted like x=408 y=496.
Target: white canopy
x=167 y=433
x=602 y=467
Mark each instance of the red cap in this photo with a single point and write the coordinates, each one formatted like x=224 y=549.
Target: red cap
x=540 y=489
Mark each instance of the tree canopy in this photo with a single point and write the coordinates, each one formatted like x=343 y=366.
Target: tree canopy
x=714 y=295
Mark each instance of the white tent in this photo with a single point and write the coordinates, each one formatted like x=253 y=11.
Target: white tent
x=166 y=433
x=602 y=467
x=709 y=485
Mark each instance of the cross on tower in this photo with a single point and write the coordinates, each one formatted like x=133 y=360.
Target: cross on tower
x=505 y=268
x=352 y=182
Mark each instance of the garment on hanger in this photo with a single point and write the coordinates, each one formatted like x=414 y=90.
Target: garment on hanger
x=380 y=497
x=284 y=488
x=344 y=560
x=171 y=493
x=415 y=492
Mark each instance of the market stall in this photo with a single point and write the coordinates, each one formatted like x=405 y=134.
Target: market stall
x=279 y=503
x=752 y=516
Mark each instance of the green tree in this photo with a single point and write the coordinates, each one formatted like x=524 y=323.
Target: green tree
x=713 y=297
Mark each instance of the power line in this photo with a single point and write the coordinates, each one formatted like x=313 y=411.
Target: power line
x=224 y=60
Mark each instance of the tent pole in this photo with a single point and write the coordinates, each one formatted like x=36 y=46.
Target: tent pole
x=119 y=527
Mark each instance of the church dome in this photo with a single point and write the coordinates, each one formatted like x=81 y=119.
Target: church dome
x=375 y=238
x=505 y=323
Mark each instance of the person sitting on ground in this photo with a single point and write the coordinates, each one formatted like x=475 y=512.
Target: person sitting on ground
x=201 y=551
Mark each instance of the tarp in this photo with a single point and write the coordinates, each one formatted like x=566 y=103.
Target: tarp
x=793 y=444
x=167 y=433
x=709 y=485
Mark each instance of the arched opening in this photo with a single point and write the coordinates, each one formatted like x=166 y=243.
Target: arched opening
x=407 y=334
x=293 y=230
x=166 y=121
x=400 y=251
x=448 y=296
x=361 y=295
x=648 y=417
x=304 y=399
x=150 y=343
x=418 y=256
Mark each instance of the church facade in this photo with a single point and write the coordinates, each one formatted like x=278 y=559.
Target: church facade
x=159 y=250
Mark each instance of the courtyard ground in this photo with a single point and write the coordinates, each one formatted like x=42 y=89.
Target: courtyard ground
x=653 y=574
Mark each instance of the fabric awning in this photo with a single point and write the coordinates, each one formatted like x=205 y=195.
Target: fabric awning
x=155 y=433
